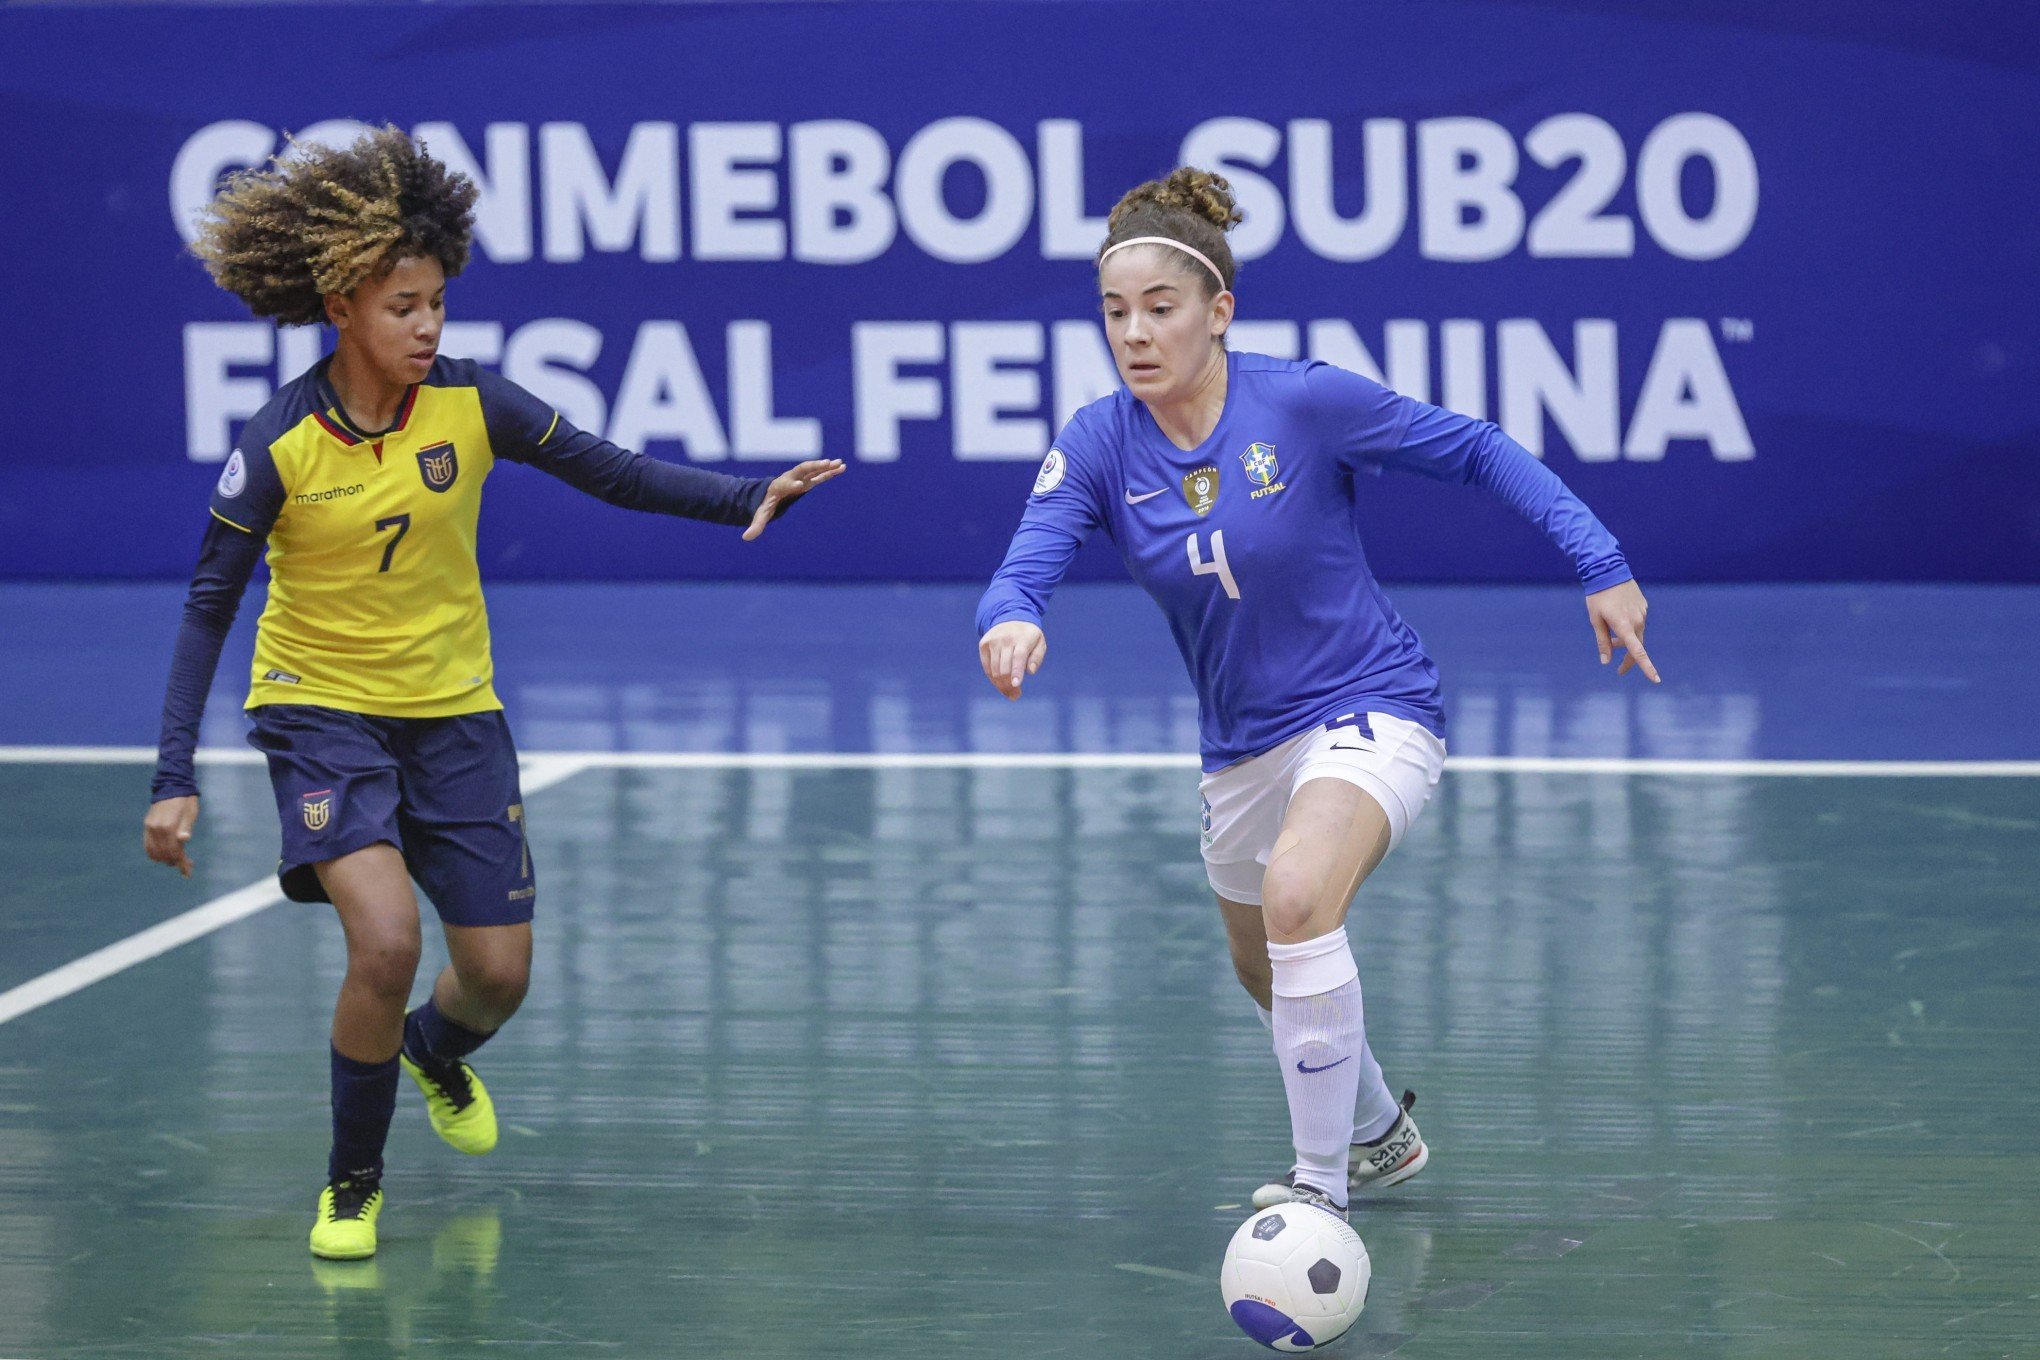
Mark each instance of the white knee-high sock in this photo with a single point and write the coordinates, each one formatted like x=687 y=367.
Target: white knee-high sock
x=1375 y=1108
x=1321 y=1041
x=1375 y=1111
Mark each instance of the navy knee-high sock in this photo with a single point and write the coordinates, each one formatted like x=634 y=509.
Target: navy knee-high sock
x=364 y=1098
x=433 y=1040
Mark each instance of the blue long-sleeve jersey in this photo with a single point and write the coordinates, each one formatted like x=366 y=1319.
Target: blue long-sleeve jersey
x=1250 y=545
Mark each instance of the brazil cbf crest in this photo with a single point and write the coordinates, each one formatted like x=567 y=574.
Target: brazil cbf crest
x=1262 y=470
x=438 y=465
x=318 y=809
x=1259 y=461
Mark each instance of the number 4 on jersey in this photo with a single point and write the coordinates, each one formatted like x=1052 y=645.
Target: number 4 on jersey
x=1217 y=565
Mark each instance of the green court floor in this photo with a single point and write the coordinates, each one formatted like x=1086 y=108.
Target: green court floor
x=947 y=1063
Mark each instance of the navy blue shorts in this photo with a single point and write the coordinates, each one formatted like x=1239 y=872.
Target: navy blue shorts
x=442 y=790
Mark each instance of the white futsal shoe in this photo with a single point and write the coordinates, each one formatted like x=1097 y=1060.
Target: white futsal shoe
x=1389 y=1160
x=1310 y=1194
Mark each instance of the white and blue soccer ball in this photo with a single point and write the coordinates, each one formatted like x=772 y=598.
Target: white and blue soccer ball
x=1295 y=1277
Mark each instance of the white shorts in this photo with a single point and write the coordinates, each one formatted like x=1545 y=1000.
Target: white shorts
x=1394 y=761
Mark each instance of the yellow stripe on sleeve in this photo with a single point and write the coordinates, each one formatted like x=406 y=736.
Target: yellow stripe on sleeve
x=229 y=523
x=550 y=428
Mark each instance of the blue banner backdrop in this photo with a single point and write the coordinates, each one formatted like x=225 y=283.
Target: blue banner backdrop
x=1763 y=290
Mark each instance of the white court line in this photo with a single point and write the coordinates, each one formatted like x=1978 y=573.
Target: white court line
x=161 y=938
x=538 y=772
x=543 y=769
x=1743 y=769
x=1090 y=760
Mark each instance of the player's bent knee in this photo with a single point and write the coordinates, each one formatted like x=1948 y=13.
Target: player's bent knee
x=1290 y=908
x=506 y=994
x=385 y=967
x=497 y=987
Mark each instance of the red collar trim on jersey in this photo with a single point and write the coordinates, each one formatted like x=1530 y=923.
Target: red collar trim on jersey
x=403 y=412
x=335 y=422
x=331 y=423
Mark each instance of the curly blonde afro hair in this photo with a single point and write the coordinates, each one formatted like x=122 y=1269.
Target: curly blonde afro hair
x=319 y=220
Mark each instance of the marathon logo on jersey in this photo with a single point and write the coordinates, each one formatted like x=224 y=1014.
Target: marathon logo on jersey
x=331 y=493
x=1262 y=470
x=438 y=465
x=282 y=677
x=1200 y=488
x=318 y=809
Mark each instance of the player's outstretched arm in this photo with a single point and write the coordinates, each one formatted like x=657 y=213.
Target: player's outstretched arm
x=1377 y=426
x=788 y=487
x=1010 y=652
x=1617 y=614
x=523 y=429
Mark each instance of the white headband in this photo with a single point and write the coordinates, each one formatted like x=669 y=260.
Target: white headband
x=1192 y=252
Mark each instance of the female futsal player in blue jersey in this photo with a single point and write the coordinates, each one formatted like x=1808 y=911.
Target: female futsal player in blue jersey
x=372 y=690
x=1228 y=482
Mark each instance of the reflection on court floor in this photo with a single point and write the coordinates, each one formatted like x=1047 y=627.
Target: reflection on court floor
x=1764 y=672
x=940 y=1062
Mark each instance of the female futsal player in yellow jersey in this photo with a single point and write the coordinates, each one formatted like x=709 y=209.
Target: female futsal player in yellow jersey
x=371 y=692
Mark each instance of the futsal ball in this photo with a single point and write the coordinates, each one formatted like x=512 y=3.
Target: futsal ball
x=1295 y=1277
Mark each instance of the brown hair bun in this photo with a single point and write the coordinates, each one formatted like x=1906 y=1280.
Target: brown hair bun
x=1192 y=206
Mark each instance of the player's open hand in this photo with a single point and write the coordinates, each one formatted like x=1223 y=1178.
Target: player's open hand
x=789 y=486
x=167 y=829
x=1617 y=615
x=1010 y=652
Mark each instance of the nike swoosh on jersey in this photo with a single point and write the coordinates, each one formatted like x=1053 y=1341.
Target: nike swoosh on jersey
x=1132 y=499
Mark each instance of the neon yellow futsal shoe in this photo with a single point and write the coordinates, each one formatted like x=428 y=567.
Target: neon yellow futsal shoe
x=345 y=1228
x=459 y=1105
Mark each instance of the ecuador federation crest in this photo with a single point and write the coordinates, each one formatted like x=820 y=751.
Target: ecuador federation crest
x=318 y=809
x=438 y=465
x=1200 y=488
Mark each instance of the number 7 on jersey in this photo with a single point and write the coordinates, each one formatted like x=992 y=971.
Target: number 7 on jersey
x=1217 y=566
x=402 y=524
